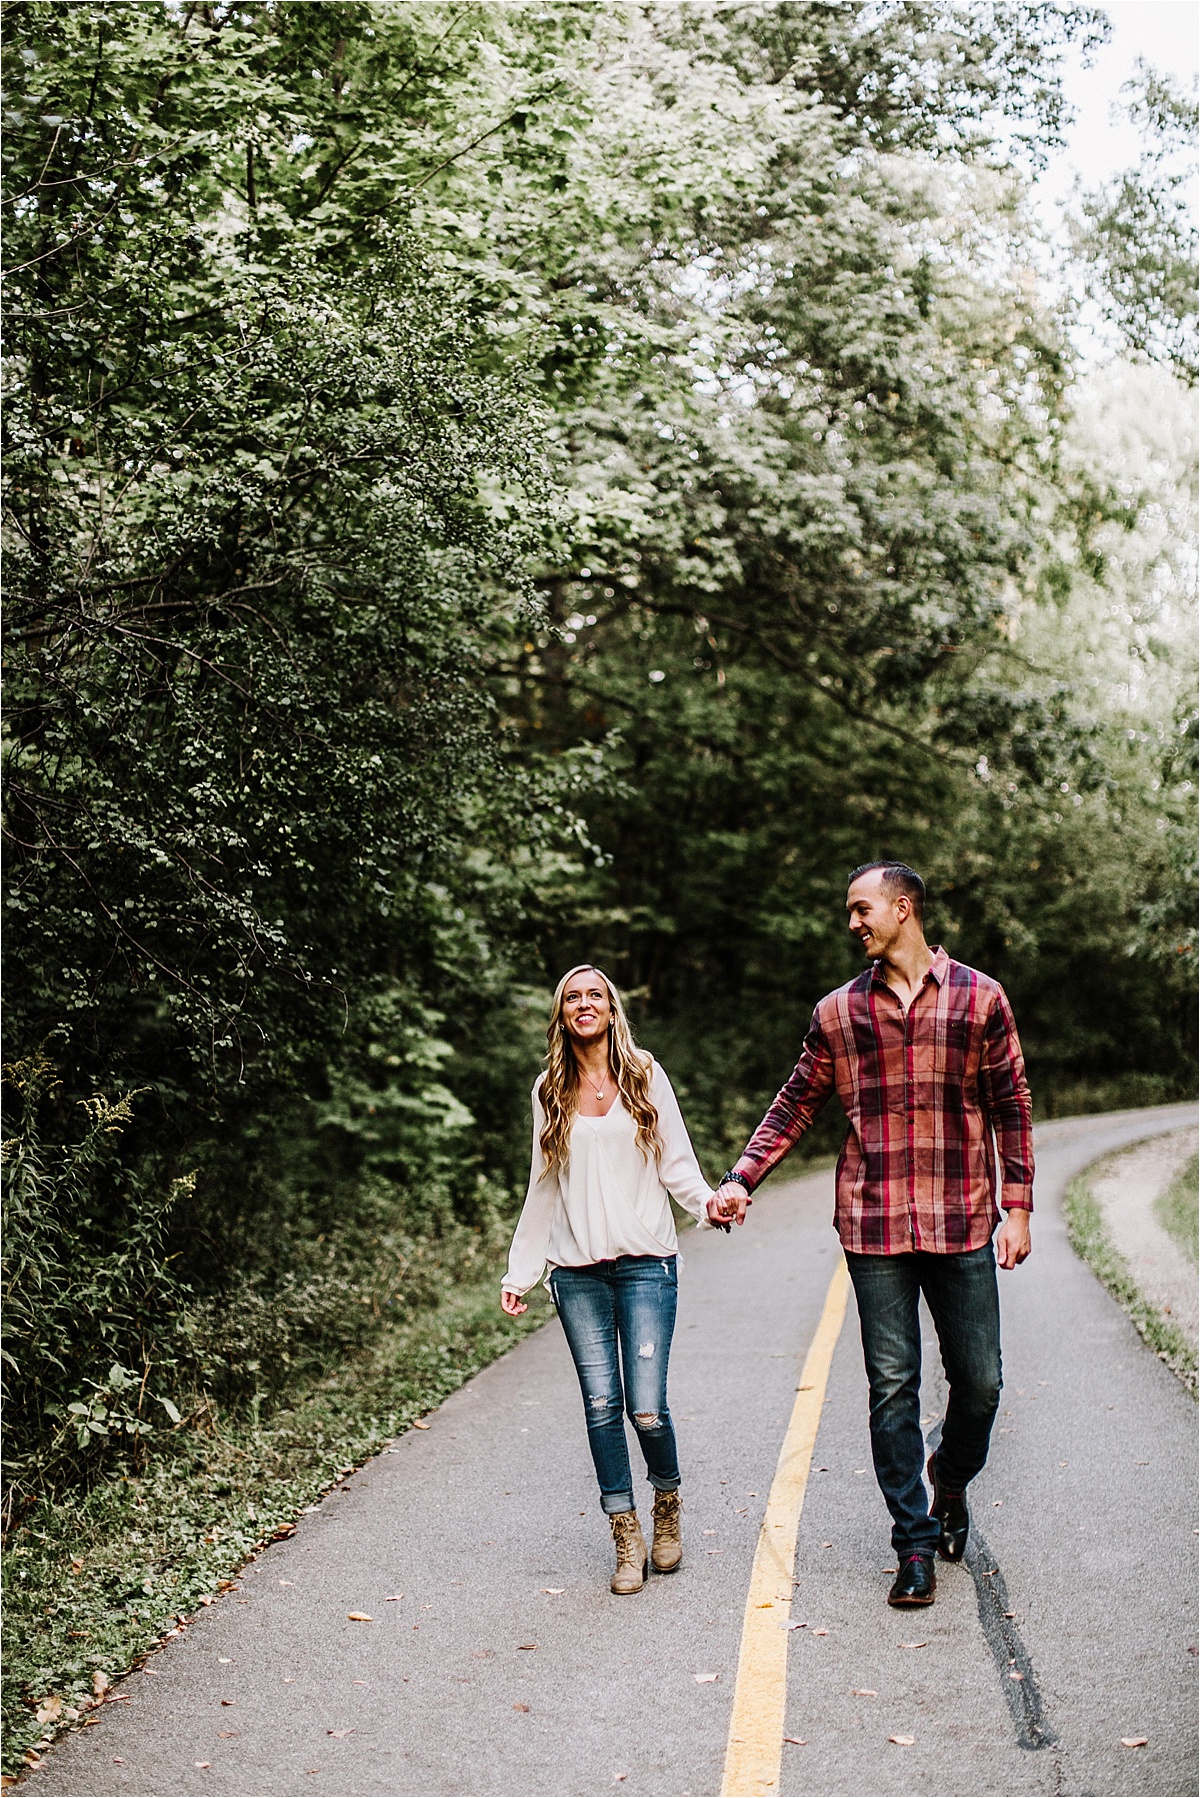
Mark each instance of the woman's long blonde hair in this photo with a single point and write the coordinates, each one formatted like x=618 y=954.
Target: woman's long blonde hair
x=629 y=1065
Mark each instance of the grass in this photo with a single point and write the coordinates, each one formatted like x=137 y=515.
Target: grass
x=1178 y=1209
x=1090 y=1238
x=94 y=1582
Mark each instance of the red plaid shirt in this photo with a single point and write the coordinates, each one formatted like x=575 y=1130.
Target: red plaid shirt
x=923 y=1093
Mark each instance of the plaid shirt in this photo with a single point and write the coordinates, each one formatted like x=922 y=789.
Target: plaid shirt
x=923 y=1093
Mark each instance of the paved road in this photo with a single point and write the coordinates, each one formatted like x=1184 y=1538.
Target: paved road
x=506 y=1667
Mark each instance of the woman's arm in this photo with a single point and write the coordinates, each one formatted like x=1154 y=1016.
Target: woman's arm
x=527 y=1256
x=678 y=1168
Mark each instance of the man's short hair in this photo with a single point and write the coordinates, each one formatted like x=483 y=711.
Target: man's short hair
x=897 y=877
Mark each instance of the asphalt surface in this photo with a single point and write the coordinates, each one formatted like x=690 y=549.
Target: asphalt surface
x=507 y=1667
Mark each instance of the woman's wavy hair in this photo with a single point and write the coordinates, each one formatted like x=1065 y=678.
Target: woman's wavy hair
x=629 y=1065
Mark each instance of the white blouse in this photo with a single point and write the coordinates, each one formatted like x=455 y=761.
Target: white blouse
x=608 y=1200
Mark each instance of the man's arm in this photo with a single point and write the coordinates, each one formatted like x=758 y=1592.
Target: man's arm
x=792 y=1112
x=1010 y=1109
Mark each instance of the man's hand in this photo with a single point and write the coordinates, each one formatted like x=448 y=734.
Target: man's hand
x=1012 y=1239
x=732 y=1202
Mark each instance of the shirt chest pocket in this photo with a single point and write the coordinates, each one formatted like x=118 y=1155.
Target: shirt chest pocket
x=957 y=1037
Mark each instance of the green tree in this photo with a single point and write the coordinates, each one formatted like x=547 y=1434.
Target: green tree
x=1136 y=235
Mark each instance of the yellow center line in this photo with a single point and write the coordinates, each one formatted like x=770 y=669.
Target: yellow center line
x=755 y=1747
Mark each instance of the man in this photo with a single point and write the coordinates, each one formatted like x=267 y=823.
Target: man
x=923 y=1054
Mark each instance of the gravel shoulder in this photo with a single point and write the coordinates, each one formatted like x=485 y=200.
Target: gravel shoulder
x=1126 y=1187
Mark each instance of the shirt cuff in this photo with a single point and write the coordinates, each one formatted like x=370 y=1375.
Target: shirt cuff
x=747 y=1169
x=1016 y=1198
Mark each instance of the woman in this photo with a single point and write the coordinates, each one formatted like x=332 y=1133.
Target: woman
x=609 y=1143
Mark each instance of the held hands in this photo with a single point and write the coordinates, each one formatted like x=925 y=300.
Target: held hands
x=512 y=1304
x=729 y=1204
x=1012 y=1238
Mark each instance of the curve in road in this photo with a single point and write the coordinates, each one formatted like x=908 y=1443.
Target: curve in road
x=496 y=1661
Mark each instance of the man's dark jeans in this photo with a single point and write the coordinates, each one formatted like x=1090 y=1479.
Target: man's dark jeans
x=960 y=1291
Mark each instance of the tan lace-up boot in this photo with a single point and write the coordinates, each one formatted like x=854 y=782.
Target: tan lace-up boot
x=631 y=1553
x=667 y=1552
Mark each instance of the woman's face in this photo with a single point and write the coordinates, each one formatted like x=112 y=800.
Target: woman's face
x=586 y=1009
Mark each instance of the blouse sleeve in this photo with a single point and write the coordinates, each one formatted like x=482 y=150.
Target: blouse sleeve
x=527 y=1255
x=678 y=1168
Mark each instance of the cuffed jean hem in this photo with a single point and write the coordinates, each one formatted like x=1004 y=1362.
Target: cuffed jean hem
x=662 y=1483
x=613 y=1503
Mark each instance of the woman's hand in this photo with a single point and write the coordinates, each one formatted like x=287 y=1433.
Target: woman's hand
x=512 y=1304
x=718 y=1216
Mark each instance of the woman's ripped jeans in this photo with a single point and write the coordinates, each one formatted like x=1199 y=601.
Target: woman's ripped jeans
x=626 y=1304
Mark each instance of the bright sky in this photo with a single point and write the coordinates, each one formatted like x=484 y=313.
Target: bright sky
x=1167 y=34
x=1102 y=142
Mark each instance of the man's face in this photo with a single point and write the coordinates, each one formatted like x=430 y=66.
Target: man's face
x=875 y=916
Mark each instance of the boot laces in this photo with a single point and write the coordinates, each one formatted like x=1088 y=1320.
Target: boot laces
x=666 y=1516
x=625 y=1534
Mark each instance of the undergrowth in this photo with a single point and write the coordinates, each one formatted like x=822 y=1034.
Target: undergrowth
x=1178 y=1209
x=1091 y=1240
x=94 y=1582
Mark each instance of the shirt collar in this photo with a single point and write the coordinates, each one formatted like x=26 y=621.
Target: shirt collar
x=938 y=970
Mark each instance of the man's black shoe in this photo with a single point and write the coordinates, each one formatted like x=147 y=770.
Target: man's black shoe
x=915 y=1583
x=950 y=1511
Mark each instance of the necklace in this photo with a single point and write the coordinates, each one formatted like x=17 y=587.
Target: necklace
x=598 y=1090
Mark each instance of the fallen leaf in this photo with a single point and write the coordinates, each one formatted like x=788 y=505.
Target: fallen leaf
x=827 y=1545
x=286 y=1582
x=902 y=1741
x=227 y=1735
x=520 y=1707
x=229 y=1701
x=211 y=1600
x=1134 y=1741
x=793 y=1626
x=77 y=1565
x=118 y=1762
x=798 y=1741
x=526 y=1644
x=996 y=1503
x=359 y=1617
x=394 y=1599
x=202 y=1763
x=1010 y=1613
x=863 y=1692
x=618 y=1777
x=704 y=1679
x=914 y=1644
x=420 y=1426
x=99 y=1683
x=341 y=1734
x=49 y=1710
x=742 y=1512
x=557 y=1592
x=820 y=1632
x=225 y=1660
x=1015 y=1675
x=708 y=1532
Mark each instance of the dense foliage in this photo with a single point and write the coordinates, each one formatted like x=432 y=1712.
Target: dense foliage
x=487 y=485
